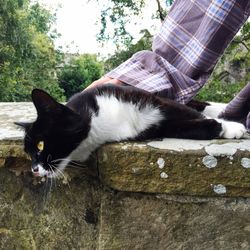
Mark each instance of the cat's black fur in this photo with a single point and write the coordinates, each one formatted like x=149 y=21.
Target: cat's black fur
x=63 y=128
x=181 y=121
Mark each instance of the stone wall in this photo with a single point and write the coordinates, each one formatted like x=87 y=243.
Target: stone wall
x=168 y=194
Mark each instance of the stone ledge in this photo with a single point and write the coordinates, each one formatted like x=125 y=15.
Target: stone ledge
x=36 y=214
x=183 y=167
x=11 y=112
x=171 y=166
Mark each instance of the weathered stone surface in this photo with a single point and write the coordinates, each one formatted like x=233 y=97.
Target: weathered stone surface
x=83 y=216
x=12 y=148
x=14 y=112
x=207 y=168
x=34 y=217
x=2 y=162
x=135 y=221
x=79 y=213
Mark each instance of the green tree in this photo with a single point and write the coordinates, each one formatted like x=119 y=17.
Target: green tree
x=120 y=56
x=118 y=13
x=231 y=73
x=79 y=73
x=27 y=55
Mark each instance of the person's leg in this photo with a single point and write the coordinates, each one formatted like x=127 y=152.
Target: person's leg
x=191 y=40
x=196 y=33
x=239 y=108
x=248 y=122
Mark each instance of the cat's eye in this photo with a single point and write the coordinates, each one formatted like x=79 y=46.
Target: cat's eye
x=40 y=145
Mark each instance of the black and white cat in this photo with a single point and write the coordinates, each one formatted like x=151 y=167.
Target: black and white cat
x=109 y=113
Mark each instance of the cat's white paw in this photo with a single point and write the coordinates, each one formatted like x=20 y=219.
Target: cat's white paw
x=231 y=130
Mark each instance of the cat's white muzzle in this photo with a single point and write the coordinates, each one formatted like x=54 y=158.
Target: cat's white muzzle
x=39 y=171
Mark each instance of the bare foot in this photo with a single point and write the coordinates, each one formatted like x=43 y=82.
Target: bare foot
x=103 y=80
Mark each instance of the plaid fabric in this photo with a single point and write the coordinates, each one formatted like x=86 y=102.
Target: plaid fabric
x=193 y=37
x=238 y=109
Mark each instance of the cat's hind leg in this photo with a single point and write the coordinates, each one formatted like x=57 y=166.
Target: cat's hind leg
x=201 y=129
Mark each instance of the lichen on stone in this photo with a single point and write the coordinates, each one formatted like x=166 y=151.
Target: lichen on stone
x=210 y=161
x=161 y=163
x=164 y=175
x=219 y=189
x=245 y=162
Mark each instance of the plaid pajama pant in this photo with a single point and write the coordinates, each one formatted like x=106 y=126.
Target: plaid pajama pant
x=192 y=38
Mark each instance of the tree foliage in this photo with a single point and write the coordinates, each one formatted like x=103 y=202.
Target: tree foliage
x=27 y=55
x=28 y=58
x=232 y=72
x=79 y=73
x=116 y=14
x=145 y=43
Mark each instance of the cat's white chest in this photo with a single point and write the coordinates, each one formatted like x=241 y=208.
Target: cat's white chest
x=119 y=120
x=116 y=120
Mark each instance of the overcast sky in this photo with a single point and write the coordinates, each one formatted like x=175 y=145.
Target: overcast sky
x=77 y=23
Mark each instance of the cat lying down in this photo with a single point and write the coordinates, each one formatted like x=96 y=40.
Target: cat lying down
x=109 y=113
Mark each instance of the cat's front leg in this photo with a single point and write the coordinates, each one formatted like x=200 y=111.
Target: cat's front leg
x=231 y=130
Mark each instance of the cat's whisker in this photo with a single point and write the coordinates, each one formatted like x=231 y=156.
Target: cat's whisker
x=53 y=173
x=47 y=190
x=57 y=174
x=51 y=179
x=60 y=159
x=76 y=167
x=78 y=164
x=51 y=184
x=52 y=167
x=59 y=171
x=73 y=165
x=69 y=161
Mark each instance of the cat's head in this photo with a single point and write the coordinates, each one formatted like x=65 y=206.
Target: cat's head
x=49 y=140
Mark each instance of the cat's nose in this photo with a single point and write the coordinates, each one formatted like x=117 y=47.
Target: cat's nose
x=35 y=169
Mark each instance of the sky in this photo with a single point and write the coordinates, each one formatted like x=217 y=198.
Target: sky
x=77 y=24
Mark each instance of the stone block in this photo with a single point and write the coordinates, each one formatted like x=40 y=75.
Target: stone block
x=182 y=167
x=48 y=215
x=166 y=194
x=139 y=221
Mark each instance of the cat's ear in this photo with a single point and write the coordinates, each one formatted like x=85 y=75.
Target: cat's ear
x=44 y=103
x=24 y=125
